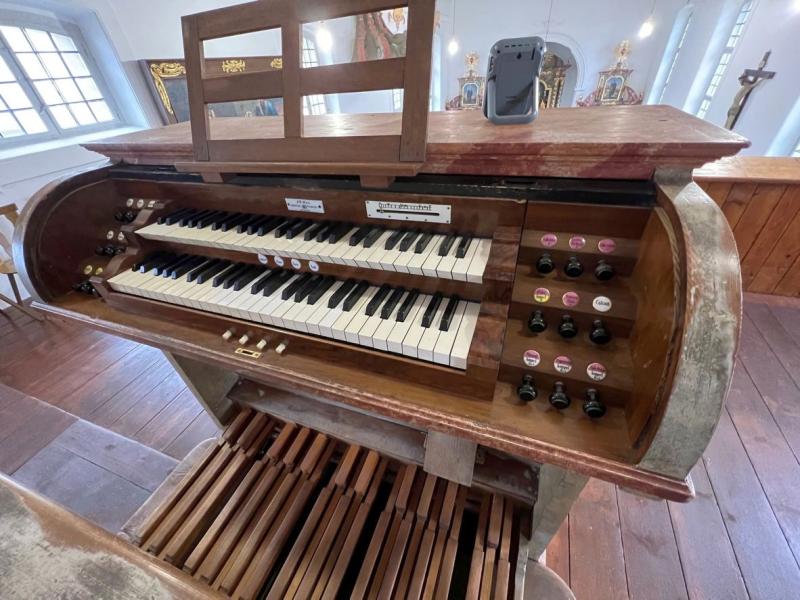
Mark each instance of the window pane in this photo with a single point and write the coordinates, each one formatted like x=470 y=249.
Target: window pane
x=9 y=126
x=63 y=117
x=89 y=88
x=5 y=72
x=16 y=39
x=82 y=113
x=54 y=65
x=101 y=111
x=33 y=68
x=14 y=96
x=69 y=91
x=64 y=43
x=48 y=92
x=40 y=40
x=76 y=65
x=30 y=121
x=3 y=105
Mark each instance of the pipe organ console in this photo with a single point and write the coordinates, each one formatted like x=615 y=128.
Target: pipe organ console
x=472 y=334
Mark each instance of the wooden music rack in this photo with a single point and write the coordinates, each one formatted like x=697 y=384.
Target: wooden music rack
x=374 y=157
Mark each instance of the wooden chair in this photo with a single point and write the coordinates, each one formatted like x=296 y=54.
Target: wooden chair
x=9 y=211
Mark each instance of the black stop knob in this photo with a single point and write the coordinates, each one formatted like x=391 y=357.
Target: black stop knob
x=125 y=216
x=567 y=328
x=119 y=250
x=593 y=406
x=100 y=250
x=536 y=323
x=545 y=264
x=603 y=271
x=573 y=268
x=599 y=334
x=526 y=391
x=559 y=398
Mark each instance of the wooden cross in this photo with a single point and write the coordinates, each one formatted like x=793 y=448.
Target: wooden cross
x=749 y=80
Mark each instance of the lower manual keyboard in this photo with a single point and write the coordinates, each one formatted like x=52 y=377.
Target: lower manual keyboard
x=428 y=327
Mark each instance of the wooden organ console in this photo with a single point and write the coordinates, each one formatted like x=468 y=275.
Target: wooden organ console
x=460 y=336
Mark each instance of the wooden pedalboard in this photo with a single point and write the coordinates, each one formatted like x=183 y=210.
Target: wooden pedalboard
x=277 y=510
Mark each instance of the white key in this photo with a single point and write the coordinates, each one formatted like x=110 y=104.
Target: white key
x=340 y=327
x=275 y=304
x=414 y=334
x=395 y=341
x=431 y=334
x=416 y=264
x=461 y=265
x=373 y=259
x=463 y=341
x=367 y=331
x=321 y=309
x=478 y=264
x=444 y=270
x=444 y=345
x=361 y=318
x=337 y=250
x=380 y=337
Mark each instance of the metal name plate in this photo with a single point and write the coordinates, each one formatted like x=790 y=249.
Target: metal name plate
x=304 y=205
x=407 y=211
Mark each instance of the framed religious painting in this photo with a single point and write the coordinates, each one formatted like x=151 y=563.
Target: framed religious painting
x=167 y=82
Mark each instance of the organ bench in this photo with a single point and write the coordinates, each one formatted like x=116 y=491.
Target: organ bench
x=520 y=309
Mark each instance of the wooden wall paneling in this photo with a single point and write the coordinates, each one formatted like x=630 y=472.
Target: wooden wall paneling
x=770 y=236
x=717 y=190
x=737 y=200
x=789 y=284
x=776 y=274
x=756 y=214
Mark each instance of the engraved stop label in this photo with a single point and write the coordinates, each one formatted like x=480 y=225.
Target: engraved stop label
x=549 y=240
x=607 y=246
x=596 y=372
x=570 y=299
x=531 y=358
x=577 y=242
x=562 y=364
x=541 y=294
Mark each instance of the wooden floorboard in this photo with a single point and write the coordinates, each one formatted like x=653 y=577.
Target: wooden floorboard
x=738 y=539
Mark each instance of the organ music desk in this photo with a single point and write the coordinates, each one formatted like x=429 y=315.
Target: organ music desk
x=472 y=333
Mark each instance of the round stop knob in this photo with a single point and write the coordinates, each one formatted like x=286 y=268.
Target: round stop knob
x=603 y=271
x=559 y=398
x=545 y=264
x=526 y=391
x=593 y=407
x=567 y=329
x=536 y=322
x=573 y=268
x=599 y=334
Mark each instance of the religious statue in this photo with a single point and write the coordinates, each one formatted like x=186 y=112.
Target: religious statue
x=612 y=83
x=749 y=80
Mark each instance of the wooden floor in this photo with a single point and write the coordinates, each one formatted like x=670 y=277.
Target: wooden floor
x=740 y=538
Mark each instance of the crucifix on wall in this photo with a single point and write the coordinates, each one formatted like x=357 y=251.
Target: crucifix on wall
x=749 y=80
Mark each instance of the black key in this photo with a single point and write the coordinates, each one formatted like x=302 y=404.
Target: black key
x=338 y=232
x=359 y=235
x=340 y=293
x=158 y=263
x=308 y=287
x=355 y=296
x=315 y=230
x=259 y=283
x=160 y=268
x=449 y=311
x=286 y=226
x=247 y=277
x=223 y=277
x=293 y=232
x=170 y=218
x=392 y=240
x=407 y=240
x=230 y=224
x=184 y=219
x=242 y=227
x=217 y=269
x=447 y=243
x=422 y=243
x=375 y=303
x=168 y=272
x=142 y=265
x=252 y=228
x=299 y=282
x=203 y=269
x=433 y=306
x=277 y=282
x=219 y=224
x=463 y=246
x=271 y=224
x=388 y=308
x=405 y=308
x=233 y=275
x=192 y=268
x=192 y=221
x=325 y=232
x=373 y=236
x=323 y=287
x=209 y=219
x=193 y=264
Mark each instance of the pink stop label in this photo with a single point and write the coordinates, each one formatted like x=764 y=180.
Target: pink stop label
x=596 y=371
x=549 y=240
x=607 y=245
x=563 y=364
x=570 y=299
x=576 y=242
x=531 y=358
x=541 y=295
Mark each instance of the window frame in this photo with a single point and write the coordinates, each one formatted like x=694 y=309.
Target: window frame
x=746 y=9
x=307 y=47
x=67 y=28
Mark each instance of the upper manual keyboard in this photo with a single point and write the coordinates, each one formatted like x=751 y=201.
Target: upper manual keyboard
x=430 y=327
x=460 y=257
